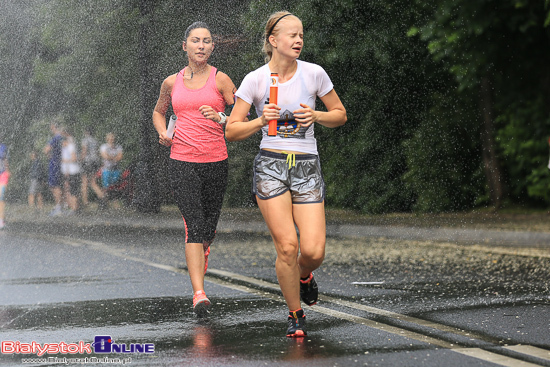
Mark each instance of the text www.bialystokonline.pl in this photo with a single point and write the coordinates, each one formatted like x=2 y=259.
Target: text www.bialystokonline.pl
x=85 y=360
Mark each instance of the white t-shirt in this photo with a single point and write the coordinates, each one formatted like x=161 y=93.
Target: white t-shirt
x=309 y=82
x=69 y=161
x=112 y=152
x=91 y=149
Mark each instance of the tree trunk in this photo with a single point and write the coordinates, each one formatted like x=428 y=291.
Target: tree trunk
x=491 y=164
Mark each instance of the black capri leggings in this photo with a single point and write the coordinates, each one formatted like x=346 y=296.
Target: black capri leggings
x=198 y=191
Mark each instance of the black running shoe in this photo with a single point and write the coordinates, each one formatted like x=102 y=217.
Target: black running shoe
x=308 y=290
x=296 y=324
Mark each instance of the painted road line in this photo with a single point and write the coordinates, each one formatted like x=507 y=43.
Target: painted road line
x=493 y=357
x=477 y=353
x=530 y=350
x=482 y=354
x=361 y=307
x=410 y=319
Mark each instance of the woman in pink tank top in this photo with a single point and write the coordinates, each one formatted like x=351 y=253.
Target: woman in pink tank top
x=198 y=95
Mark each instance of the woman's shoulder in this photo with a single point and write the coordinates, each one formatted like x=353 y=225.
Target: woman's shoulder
x=222 y=77
x=224 y=82
x=257 y=75
x=168 y=84
x=170 y=80
x=310 y=67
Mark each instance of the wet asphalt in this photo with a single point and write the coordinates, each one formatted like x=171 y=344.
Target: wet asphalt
x=392 y=300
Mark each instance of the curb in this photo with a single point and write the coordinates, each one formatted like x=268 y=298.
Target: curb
x=22 y=219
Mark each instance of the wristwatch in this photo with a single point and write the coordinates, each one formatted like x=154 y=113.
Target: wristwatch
x=223 y=118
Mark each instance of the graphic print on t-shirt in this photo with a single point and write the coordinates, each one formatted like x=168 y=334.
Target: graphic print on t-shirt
x=288 y=127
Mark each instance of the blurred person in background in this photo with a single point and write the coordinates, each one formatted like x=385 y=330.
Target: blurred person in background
x=55 y=177
x=37 y=180
x=111 y=153
x=4 y=179
x=90 y=165
x=70 y=169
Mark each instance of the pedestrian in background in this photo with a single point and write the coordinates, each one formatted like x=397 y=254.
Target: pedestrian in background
x=288 y=182
x=70 y=168
x=90 y=165
x=37 y=180
x=55 y=177
x=198 y=95
x=111 y=152
x=4 y=179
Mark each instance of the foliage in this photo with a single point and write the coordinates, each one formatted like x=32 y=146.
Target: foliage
x=443 y=159
x=525 y=147
x=378 y=74
x=408 y=74
x=504 y=41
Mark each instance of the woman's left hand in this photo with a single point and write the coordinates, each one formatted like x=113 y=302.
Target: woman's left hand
x=305 y=116
x=165 y=140
x=209 y=113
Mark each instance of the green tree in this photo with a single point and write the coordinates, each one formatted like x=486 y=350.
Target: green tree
x=379 y=75
x=443 y=157
x=497 y=52
x=17 y=100
x=447 y=100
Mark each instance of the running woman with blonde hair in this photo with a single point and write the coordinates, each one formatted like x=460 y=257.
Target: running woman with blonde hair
x=288 y=182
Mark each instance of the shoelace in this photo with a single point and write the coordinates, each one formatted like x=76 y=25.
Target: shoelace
x=290 y=159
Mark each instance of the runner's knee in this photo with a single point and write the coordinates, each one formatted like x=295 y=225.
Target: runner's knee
x=287 y=251
x=313 y=253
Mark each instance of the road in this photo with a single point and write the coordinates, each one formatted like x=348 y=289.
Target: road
x=384 y=301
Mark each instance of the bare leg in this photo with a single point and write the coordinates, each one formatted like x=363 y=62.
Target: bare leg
x=93 y=183
x=84 y=189
x=39 y=201
x=194 y=256
x=72 y=201
x=277 y=213
x=57 y=195
x=310 y=220
x=65 y=193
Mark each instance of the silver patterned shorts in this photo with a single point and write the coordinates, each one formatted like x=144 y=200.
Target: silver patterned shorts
x=277 y=173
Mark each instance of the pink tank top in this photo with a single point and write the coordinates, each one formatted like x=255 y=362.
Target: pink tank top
x=196 y=138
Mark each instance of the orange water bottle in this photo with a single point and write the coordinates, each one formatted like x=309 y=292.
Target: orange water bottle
x=273 y=91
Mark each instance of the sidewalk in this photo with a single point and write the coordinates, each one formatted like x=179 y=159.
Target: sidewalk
x=250 y=220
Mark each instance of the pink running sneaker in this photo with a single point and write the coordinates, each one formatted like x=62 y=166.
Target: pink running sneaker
x=201 y=303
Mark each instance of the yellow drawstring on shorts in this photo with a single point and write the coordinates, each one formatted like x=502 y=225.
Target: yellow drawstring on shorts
x=290 y=159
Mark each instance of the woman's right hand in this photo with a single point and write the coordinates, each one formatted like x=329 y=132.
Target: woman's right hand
x=164 y=139
x=270 y=112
